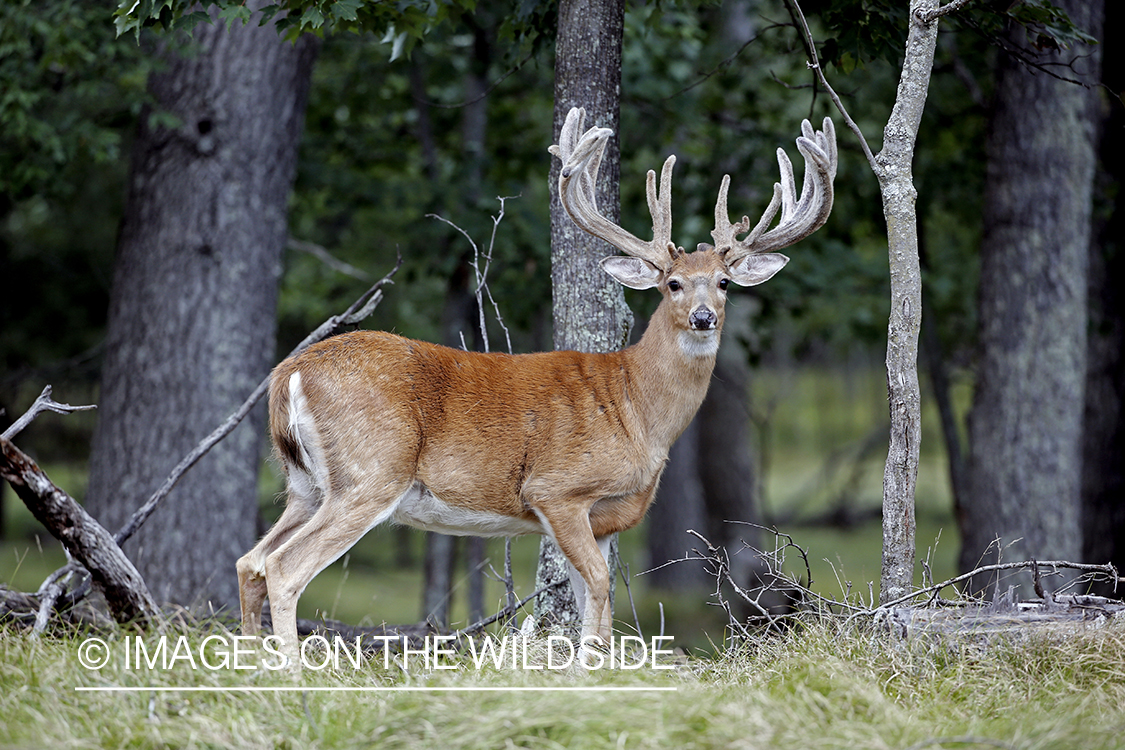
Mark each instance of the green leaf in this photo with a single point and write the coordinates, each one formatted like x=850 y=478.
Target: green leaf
x=230 y=13
x=345 y=10
x=312 y=18
x=191 y=20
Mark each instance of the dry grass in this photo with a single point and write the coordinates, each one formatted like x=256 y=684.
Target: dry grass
x=817 y=686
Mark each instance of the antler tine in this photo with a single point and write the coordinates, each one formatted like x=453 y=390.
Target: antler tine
x=660 y=206
x=581 y=158
x=799 y=217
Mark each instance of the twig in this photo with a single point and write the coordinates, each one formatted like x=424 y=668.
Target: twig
x=788 y=543
x=509 y=580
x=486 y=92
x=506 y=611
x=625 y=578
x=814 y=64
x=930 y=16
x=481 y=274
x=321 y=253
x=41 y=404
x=725 y=62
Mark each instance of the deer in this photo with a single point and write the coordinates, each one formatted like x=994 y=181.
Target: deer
x=370 y=427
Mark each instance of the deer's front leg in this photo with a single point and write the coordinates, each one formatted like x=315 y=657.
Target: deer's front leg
x=587 y=557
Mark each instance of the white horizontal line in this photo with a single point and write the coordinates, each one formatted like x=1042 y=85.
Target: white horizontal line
x=374 y=689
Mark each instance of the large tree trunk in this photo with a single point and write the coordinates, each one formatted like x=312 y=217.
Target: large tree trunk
x=193 y=305
x=1103 y=467
x=1025 y=427
x=590 y=313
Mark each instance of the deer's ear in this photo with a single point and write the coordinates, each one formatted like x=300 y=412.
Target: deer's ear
x=755 y=269
x=634 y=273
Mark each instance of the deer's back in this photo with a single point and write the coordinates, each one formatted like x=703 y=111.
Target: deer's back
x=473 y=428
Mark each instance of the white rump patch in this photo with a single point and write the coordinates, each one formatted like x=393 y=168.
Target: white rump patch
x=302 y=428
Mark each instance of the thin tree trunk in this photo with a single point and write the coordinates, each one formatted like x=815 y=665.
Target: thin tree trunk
x=193 y=305
x=1026 y=422
x=896 y=184
x=590 y=313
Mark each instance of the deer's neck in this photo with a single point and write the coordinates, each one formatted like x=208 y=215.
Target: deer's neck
x=671 y=369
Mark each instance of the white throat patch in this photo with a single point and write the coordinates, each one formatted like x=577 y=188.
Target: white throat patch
x=699 y=343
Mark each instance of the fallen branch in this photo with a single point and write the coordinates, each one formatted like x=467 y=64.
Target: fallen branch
x=974 y=617
x=84 y=538
x=1107 y=569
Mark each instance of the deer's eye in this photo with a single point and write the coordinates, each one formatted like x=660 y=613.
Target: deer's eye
x=723 y=283
x=674 y=286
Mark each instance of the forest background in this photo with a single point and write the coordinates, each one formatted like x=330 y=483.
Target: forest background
x=398 y=128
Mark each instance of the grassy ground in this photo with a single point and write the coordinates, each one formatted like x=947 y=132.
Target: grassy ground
x=819 y=686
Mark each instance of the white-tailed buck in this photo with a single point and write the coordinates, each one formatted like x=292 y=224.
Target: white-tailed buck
x=371 y=427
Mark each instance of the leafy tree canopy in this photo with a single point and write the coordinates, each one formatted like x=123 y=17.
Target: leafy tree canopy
x=68 y=87
x=403 y=22
x=865 y=30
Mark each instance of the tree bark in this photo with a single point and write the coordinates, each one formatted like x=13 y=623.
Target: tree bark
x=1103 y=471
x=896 y=183
x=589 y=308
x=193 y=305
x=1025 y=427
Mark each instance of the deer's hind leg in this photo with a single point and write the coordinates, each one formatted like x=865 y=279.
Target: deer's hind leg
x=303 y=500
x=340 y=521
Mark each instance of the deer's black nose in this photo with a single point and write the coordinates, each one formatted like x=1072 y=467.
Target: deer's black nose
x=703 y=319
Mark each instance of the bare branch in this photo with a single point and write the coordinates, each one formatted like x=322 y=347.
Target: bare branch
x=43 y=403
x=124 y=588
x=481 y=274
x=1107 y=569
x=624 y=570
x=486 y=92
x=321 y=253
x=718 y=563
x=507 y=611
x=928 y=17
x=814 y=64
x=726 y=62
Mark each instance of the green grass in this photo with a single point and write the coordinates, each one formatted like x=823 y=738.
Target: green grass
x=821 y=685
